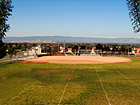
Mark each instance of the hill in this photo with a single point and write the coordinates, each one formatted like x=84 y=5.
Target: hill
x=74 y=39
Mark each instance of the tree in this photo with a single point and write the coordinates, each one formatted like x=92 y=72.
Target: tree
x=5 y=12
x=83 y=47
x=75 y=47
x=12 y=51
x=134 y=13
x=99 y=46
x=23 y=48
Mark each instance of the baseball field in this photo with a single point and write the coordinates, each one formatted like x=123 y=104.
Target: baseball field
x=57 y=83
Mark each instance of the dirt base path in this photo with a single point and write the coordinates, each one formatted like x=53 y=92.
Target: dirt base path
x=78 y=60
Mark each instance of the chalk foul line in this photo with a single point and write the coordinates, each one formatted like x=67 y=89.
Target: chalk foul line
x=64 y=89
x=127 y=78
x=102 y=86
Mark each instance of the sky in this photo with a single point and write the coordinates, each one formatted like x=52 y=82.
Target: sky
x=77 y=18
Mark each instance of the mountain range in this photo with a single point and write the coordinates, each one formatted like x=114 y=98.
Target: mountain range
x=70 y=39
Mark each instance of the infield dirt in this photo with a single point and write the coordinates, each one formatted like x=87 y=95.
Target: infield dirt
x=78 y=60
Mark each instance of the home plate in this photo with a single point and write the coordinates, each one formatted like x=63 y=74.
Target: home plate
x=78 y=60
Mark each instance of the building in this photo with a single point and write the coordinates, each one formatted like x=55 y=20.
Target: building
x=33 y=50
x=137 y=51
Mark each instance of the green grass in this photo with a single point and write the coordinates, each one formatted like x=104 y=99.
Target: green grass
x=44 y=84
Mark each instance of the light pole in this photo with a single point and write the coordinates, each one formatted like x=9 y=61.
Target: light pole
x=64 y=47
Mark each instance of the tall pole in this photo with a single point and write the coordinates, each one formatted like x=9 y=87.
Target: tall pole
x=128 y=51
x=58 y=47
x=64 y=47
x=51 y=46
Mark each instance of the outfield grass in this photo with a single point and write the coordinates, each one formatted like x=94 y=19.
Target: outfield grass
x=29 y=84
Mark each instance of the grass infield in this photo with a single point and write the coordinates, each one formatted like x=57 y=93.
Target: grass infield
x=59 y=84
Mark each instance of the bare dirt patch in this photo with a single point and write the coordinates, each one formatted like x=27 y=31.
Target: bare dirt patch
x=48 y=71
x=78 y=60
x=71 y=76
x=26 y=61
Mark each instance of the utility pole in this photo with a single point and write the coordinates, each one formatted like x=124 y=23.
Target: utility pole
x=128 y=51
x=64 y=47
x=51 y=47
x=58 y=46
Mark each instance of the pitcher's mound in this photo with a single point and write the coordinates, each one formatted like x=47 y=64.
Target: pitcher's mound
x=78 y=60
